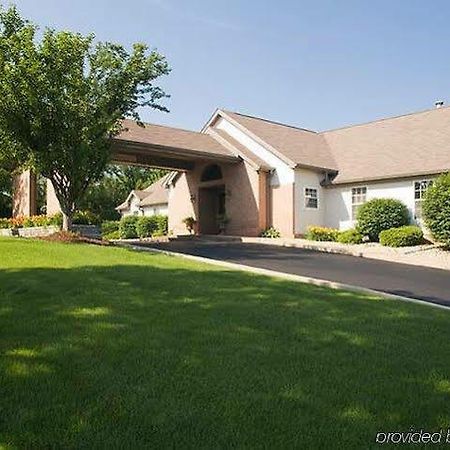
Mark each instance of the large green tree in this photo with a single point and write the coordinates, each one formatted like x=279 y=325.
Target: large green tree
x=63 y=97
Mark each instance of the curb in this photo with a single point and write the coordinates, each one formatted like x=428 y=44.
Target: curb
x=287 y=276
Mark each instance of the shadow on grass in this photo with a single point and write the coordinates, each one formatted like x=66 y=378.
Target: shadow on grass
x=138 y=356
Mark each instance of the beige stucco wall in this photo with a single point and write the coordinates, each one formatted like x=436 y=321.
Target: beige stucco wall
x=242 y=185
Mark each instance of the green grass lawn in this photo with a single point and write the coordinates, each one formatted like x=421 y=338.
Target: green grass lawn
x=108 y=348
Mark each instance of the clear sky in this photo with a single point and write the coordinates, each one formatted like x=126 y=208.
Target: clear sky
x=316 y=64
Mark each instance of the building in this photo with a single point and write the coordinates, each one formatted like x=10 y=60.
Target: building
x=242 y=174
x=151 y=201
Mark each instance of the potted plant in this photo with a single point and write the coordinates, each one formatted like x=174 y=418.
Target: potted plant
x=190 y=223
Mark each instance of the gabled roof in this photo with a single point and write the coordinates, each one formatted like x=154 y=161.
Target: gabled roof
x=296 y=146
x=169 y=137
x=403 y=146
x=155 y=194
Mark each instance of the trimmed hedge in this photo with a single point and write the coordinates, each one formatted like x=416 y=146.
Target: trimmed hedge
x=352 y=236
x=110 y=226
x=406 y=236
x=146 y=226
x=127 y=227
x=436 y=209
x=315 y=233
x=381 y=214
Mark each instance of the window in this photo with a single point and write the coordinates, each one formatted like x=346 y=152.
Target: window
x=420 y=188
x=358 y=198
x=311 y=198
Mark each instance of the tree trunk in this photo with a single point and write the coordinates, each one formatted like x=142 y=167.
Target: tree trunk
x=67 y=221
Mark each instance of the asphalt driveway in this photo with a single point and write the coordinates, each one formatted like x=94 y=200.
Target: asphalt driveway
x=432 y=285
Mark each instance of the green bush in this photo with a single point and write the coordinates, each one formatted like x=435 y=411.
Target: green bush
x=146 y=226
x=381 y=214
x=109 y=226
x=85 y=218
x=351 y=236
x=405 y=236
x=4 y=223
x=163 y=225
x=315 y=233
x=56 y=220
x=127 y=227
x=111 y=235
x=436 y=209
x=270 y=232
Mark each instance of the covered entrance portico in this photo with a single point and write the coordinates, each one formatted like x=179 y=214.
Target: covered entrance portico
x=212 y=183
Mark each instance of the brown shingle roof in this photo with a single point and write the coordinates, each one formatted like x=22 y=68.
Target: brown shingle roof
x=413 y=144
x=296 y=146
x=176 y=138
x=156 y=193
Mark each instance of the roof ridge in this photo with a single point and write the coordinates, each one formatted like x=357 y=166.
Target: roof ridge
x=383 y=119
x=166 y=126
x=271 y=121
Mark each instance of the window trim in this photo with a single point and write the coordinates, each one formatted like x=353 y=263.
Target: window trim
x=315 y=188
x=416 y=200
x=353 y=218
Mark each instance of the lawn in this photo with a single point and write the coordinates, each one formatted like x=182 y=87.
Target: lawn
x=105 y=347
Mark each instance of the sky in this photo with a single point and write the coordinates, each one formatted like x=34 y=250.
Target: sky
x=315 y=64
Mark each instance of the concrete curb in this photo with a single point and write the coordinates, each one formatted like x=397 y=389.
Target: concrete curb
x=286 y=276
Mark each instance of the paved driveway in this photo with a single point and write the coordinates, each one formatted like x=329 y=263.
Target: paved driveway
x=410 y=281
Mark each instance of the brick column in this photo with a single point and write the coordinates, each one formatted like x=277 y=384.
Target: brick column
x=52 y=201
x=24 y=194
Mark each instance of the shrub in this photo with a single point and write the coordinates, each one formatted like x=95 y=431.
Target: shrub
x=352 y=236
x=381 y=214
x=56 y=220
x=4 y=223
x=270 y=232
x=436 y=209
x=321 y=234
x=163 y=225
x=111 y=235
x=405 y=236
x=146 y=226
x=109 y=226
x=127 y=227
x=85 y=218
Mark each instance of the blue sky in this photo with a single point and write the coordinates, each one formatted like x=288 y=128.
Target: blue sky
x=315 y=64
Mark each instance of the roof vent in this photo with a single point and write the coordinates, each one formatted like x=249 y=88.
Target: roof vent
x=439 y=104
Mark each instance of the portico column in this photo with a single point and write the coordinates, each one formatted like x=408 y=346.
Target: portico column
x=52 y=201
x=24 y=194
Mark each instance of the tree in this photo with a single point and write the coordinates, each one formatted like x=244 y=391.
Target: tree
x=436 y=208
x=63 y=98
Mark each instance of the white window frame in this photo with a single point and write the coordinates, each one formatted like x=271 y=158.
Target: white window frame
x=417 y=201
x=307 y=197
x=359 y=204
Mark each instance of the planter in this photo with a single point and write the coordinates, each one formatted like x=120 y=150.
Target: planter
x=32 y=232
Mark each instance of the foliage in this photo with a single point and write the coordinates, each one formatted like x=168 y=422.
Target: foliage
x=29 y=222
x=110 y=226
x=86 y=218
x=146 y=226
x=190 y=223
x=6 y=181
x=111 y=335
x=127 y=227
x=315 y=233
x=381 y=214
x=352 y=236
x=436 y=208
x=111 y=235
x=63 y=98
x=270 y=232
x=406 y=236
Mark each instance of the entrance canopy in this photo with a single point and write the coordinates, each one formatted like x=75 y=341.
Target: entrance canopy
x=166 y=147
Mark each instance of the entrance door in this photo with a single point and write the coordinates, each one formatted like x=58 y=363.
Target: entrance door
x=211 y=206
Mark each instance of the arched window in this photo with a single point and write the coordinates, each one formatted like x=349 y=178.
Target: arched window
x=212 y=172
